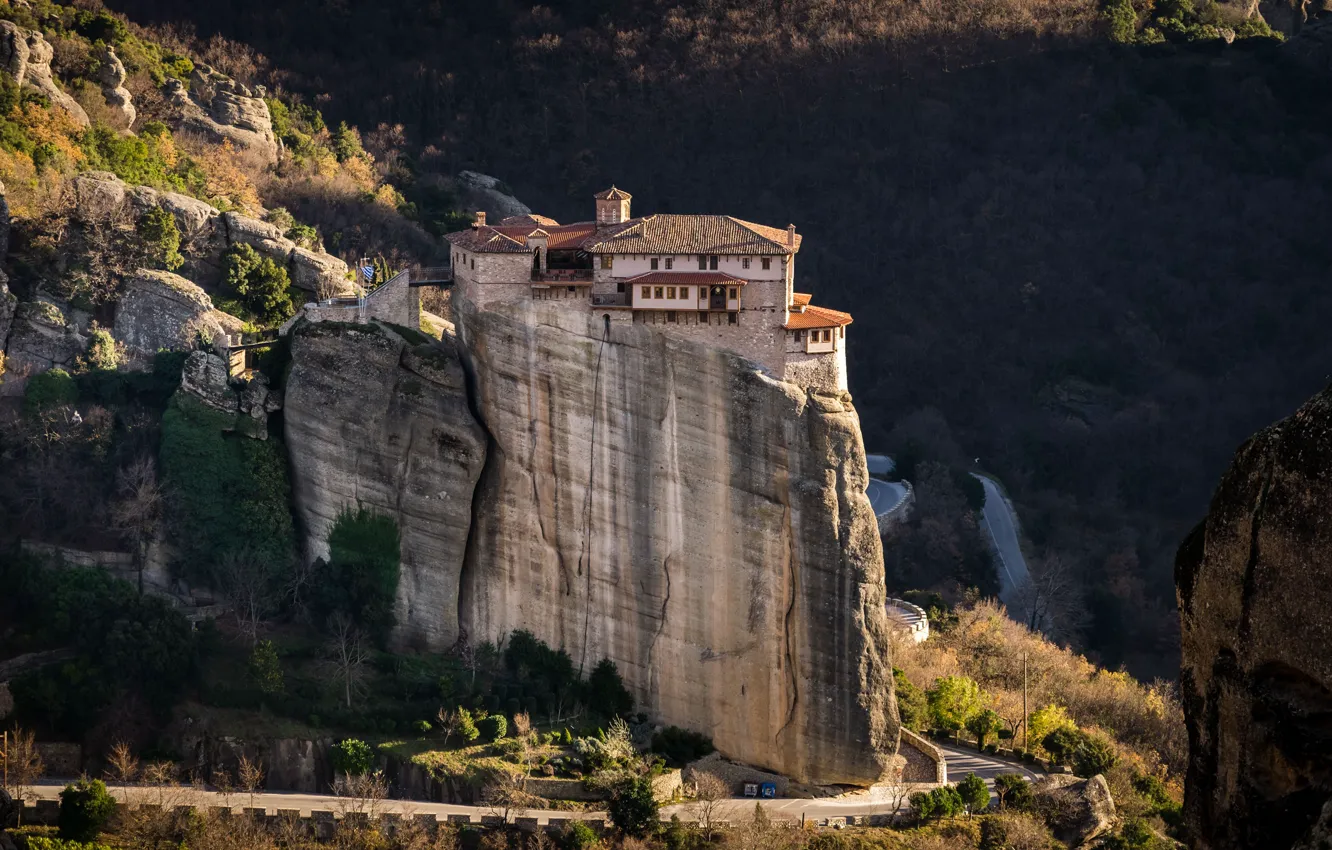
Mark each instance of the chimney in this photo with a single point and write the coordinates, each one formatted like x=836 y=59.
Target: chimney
x=790 y=235
x=480 y=220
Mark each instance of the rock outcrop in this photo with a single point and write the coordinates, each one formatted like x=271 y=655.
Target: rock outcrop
x=161 y=310
x=1255 y=606
x=1080 y=811
x=483 y=192
x=26 y=56
x=248 y=399
x=724 y=556
x=206 y=233
x=373 y=422
x=112 y=76
x=225 y=110
x=40 y=338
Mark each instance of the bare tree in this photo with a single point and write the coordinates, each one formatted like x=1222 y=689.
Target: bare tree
x=505 y=795
x=137 y=511
x=124 y=768
x=247 y=581
x=21 y=763
x=348 y=656
x=710 y=792
x=250 y=776
x=522 y=731
x=1049 y=599
x=362 y=794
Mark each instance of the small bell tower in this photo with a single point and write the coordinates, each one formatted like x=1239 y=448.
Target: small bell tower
x=612 y=206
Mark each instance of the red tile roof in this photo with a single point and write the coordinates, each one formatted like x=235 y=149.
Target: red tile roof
x=700 y=278
x=800 y=299
x=691 y=234
x=569 y=236
x=491 y=240
x=817 y=317
x=531 y=219
x=613 y=194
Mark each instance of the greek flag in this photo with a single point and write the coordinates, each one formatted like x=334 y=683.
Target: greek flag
x=368 y=272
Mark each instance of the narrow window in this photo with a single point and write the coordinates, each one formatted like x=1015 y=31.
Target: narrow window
x=607 y=261
x=654 y=264
x=712 y=263
x=619 y=287
x=827 y=336
x=732 y=294
x=474 y=264
x=656 y=292
x=702 y=318
x=800 y=336
x=670 y=316
x=571 y=290
x=841 y=332
x=767 y=263
x=744 y=264
x=732 y=317
x=702 y=263
x=647 y=292
x=670 y=292
x=684 y=292
x=670 y=262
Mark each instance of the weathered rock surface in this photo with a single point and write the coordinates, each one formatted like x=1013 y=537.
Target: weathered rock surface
x=1255 y=605
x=163 y=310
x=206 y=233
x=26 y=56
x=726 y=557
x=1078 y=810
x=40 y=338
x=483 y=192
x=4 y=224
x=371 y=421
x=225 y=110
x=8 y=306
x=204 y=376
x=112 y=76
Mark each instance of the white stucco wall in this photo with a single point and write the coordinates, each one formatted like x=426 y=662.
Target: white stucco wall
x=628 y=265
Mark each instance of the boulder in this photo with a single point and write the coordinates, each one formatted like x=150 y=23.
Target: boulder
x=263 y=237
x=1079 y=811
x=1255 y=608
x=111 y=74
x=321 y=274
x=205 y=378
x=40 y=338
x=196 y=219
x=99 y=196
x=161 y=310
x=483 y=192
x=225 y=110
x=26 y=56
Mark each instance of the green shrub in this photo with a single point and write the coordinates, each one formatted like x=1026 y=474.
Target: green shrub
x=304 y=235
x=633 y=808
x=352 y=757
x=975 y=796
x=360 y=578
x=681 y=746
x=942 y=802
x=160 y=238
x=259 y=285
x=467 y=726
x=912 y=708
x=1087 y=754
x=606 y=693
x=494 y=727
x=49 y=389
x=953 y=700
x=983 y=724
x=266 y=668
x=1013 y=791
x=578 y=836
x=45 y=842
x=85 y=808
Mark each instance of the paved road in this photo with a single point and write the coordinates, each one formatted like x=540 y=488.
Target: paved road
x=885 y=495
x=1000 y=523
x=964 y=760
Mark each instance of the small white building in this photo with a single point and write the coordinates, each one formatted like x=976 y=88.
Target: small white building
x=713 y=278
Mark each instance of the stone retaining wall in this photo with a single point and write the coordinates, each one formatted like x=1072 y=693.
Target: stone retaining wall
x=929 y=765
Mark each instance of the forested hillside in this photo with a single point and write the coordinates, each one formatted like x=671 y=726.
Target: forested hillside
x=1094 y=266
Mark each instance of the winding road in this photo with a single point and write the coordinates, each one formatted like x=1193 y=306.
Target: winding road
x=1000 y=521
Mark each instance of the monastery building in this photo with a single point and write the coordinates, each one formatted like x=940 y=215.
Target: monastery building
x=715 y=279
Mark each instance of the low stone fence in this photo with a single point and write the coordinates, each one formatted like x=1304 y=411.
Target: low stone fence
x=928 y=763
x=909 y=618
x=899 y=512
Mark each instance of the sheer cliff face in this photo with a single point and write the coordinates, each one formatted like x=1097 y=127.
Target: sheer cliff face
x=725 y=555
x=371 y=421
x=1255 y=598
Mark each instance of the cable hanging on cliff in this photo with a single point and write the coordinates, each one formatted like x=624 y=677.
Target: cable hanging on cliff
x=587 y=502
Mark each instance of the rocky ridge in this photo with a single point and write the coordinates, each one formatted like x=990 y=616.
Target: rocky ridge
x=1254 y=600
x=226 y=111
x=26 y=56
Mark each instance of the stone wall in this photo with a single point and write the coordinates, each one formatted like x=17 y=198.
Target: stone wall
x=924 y=761
x=726 y=557
x=665 y=788
x=395 y=301
x=821 y=371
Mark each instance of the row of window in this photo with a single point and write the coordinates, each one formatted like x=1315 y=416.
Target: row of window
x=669 y=292
x=683 y=317
x=459 y=256
x=814 y=335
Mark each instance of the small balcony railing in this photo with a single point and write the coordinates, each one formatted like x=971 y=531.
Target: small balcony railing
x=610 y=299
x=562 y=275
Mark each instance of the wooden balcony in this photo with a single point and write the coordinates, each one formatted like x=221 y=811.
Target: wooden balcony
x=562 y=276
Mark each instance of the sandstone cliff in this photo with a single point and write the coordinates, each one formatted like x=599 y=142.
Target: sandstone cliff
x=725 y=556
x=371 y=421
x=1255 y=597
